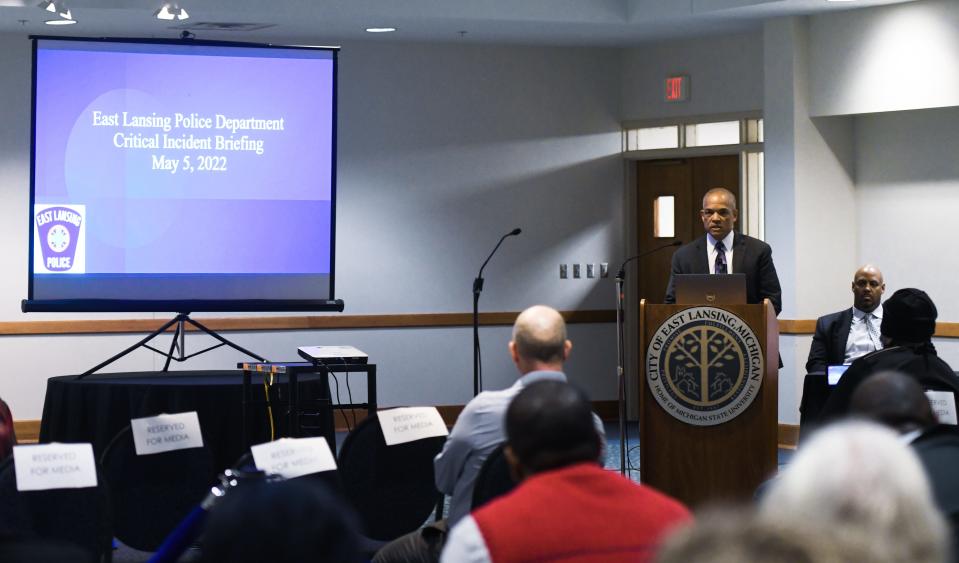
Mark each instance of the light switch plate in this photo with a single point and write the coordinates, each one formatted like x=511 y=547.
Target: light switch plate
x=590 y=270
x=576 y=271
x=604 y=270
x=562 y=272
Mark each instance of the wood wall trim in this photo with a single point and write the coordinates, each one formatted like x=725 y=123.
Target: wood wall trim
x=788 y=435
x=801 y=326
x=808 y=326
x=318 y=322
x=28 y=431
x=412 y=320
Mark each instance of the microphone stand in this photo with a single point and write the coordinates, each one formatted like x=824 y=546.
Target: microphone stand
x=621 y=350
x=477 y=289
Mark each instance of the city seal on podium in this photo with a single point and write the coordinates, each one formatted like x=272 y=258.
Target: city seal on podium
x=704 y=366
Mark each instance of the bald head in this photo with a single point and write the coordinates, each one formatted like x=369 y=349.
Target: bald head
x=893 y=399
x=720 y=194
x=539 y=339
x=867 y=288
x=719 y=212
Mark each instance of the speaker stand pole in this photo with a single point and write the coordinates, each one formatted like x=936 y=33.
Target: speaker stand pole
x=621 y=372
x=477 y=381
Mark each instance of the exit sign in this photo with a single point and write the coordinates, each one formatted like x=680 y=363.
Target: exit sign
x=677 y=88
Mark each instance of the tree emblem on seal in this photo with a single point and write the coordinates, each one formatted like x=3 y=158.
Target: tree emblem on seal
x=705 y=365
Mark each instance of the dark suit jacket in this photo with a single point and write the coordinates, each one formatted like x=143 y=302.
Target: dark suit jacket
x=919 y=361
x=829 y=342
x=751 y=256
x=938 y=450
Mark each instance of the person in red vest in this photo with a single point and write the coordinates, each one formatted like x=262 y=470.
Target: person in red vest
x=566 y=507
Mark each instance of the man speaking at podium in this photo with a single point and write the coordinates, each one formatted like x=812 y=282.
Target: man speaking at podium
x=724 y=251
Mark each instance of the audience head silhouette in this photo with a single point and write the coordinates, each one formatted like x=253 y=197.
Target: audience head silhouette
x=909 y=317
x=895 y=400
x=549 y=425
x=539 y=340
x=735 y=535
x=285 y=522
x=857 y=483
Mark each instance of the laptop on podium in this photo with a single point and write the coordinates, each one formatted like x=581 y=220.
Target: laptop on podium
x=710 y=289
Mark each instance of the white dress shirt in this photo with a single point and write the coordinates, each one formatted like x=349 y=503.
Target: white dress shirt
x=477 y=432
x=711 y=252
x=465 y=544
x=861 y=339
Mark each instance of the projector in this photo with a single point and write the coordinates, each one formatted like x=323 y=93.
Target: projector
x=333 y=355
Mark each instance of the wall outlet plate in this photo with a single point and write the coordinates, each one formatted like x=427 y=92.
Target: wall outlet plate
x=576 y=273
x=562 y=272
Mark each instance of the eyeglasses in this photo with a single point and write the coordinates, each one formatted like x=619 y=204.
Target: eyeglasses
x=723 y=212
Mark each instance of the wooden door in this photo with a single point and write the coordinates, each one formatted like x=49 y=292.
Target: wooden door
x=688 y=180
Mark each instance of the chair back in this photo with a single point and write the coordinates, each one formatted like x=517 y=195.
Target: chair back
x=391 y=487
x=81 y=517
x=493 y=480
x=151 y=494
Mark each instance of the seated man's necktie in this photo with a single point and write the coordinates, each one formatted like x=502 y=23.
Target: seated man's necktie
x=721 y=258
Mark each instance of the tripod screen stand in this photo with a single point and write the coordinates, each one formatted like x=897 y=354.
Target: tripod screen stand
x=177 y=350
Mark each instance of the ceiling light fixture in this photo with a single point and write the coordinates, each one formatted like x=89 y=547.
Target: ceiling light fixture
x=171 y=12
x=58 y=8
x=380 y=29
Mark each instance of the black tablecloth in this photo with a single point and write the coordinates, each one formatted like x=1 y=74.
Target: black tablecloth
x=95 y=408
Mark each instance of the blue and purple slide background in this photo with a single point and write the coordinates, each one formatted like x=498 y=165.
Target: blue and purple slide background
x=267 y=214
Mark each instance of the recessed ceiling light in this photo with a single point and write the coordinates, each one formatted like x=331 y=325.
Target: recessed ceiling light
x=171 y=12
x=380 y=29
x=57 y=7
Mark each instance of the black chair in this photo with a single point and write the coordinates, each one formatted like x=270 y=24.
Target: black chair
x=391 y=487
x=80 y=517
x=494 y=479
x=151 y=494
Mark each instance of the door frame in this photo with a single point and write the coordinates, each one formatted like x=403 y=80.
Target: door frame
x=750 y=197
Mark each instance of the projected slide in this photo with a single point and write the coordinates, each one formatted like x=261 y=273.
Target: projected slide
x=171 y=171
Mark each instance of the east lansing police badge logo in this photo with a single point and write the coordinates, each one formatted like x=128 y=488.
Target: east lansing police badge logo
x=704 y=365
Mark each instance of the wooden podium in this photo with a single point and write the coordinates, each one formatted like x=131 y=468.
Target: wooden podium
x=688 y=448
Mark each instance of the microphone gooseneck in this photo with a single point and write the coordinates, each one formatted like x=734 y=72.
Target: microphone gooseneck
x=477 y=289
x=622 y=269
x=478 y=282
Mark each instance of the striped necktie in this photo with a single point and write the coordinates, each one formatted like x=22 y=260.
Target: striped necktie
x=872 y=330
x=720 y=258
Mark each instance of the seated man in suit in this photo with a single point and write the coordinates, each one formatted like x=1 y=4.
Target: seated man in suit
x=723 y=251
x=566 y=507
x=908 y=323
x=844 y=336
